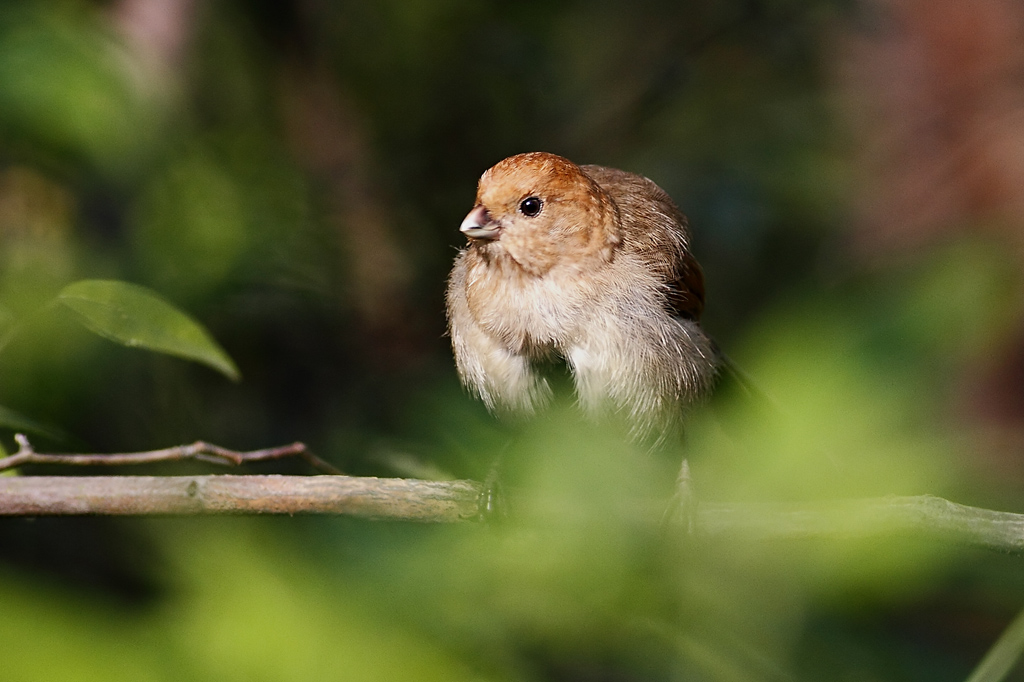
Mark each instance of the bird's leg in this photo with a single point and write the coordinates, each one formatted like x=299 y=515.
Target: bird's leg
x=491 y=505
x=682 y=507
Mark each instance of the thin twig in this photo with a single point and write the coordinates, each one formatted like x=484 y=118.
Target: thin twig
x=199 y=451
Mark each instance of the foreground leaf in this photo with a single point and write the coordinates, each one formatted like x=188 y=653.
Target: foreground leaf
x=137 y=317
x=1003 y=656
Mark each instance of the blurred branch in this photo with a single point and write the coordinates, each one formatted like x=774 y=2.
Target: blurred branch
x=156 y=33
x=200 y=451
x=922 y=515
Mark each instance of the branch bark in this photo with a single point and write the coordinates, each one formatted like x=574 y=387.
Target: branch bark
x=376 y=498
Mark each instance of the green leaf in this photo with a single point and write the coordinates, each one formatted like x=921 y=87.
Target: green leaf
x=137 y=317
x=15 y=421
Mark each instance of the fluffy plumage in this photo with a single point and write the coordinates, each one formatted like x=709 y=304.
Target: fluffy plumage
x=588 y=263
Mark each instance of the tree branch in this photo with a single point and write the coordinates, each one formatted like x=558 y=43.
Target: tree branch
x=454 y=501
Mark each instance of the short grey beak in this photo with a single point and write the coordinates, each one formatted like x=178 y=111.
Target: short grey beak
x=478 y=225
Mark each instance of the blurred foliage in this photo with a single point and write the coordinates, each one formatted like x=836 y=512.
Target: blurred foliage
x=292 y=174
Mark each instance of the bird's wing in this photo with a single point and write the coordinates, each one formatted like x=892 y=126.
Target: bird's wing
x=655 y=228
x=686 y=289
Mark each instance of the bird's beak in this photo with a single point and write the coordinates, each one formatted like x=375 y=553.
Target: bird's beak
x=478 y=225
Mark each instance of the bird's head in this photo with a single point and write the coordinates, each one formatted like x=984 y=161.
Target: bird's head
x=542 y=210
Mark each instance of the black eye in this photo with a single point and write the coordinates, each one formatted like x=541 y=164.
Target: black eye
x=530 y=206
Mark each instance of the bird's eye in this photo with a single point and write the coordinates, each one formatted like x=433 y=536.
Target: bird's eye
x=530 y=206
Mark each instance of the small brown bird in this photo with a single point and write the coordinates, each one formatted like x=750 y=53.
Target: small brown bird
x=587 y=263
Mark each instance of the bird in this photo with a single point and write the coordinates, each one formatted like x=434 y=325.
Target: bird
x=588 y=264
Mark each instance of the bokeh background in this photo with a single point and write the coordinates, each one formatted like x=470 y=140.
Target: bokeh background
x=293 y=174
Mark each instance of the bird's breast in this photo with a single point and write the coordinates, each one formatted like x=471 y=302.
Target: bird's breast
x=529 y=314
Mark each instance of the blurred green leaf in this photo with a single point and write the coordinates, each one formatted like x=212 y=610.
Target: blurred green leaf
x=9 y=419
x=1003 y=656
x=195 y=209
x=960 y=300
x=66 y=87
x=249 y=610
x=137 y=317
